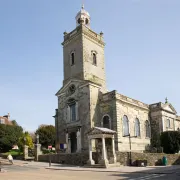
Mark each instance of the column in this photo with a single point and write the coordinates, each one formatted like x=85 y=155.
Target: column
x=68 y=114
x=78 y=140
x=37 y=151
x=103 y=148
x=25 y=152
x=113 y=150
x=67 y=143
x=104 y=160
x=90 y=161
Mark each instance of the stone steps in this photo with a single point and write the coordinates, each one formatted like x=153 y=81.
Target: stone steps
x=102 y=166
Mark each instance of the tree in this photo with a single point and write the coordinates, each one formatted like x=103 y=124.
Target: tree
x=14 y=123
x=46 y=135
x=25 y=139
x=170 y=141
x=9 y=136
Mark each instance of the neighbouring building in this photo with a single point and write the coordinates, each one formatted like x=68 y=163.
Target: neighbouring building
x=84 y=101
x=5 y=119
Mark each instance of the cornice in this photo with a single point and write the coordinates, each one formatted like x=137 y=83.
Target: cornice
x=90 y=37
x=82 y=30
x=132 y=104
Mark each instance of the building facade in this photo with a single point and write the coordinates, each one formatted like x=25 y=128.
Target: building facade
x=84 y=102
x=5 y=120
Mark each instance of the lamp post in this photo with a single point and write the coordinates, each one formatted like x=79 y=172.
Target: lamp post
x=130 y=160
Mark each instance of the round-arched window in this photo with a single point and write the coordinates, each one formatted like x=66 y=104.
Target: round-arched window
x=87 y=21
x=106 y=122
x=147 y=128
x=125 y=126
x=137 y=128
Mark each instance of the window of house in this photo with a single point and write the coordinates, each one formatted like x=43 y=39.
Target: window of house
x=2 y=121
x=125 y=126
x=137 y=128
x=168 y=124
x=94 y=59
x=147 y=129
x=106 y=122
x=72 y=58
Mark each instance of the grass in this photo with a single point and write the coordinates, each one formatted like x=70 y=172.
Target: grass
x=13 y=152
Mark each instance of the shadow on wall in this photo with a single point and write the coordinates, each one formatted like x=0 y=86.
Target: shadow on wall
x=159 y=162
x=176 y=162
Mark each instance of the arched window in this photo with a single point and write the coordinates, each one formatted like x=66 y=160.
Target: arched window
x=168 y=123
x=72 y=58
x=125 y=126
x=147 y=129
x=72 y=106
x=106 y=122
x=94 y=59
x=137 y=128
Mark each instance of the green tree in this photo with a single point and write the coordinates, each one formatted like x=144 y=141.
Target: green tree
x=170 y=141
x=25 y=139
x=46 y=135
x=9 y=136
x=14 y=123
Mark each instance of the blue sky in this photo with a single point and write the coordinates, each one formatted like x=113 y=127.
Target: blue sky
x=142 y=52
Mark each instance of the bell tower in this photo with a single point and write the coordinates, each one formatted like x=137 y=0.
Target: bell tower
x=83 y=16
x=83 y=52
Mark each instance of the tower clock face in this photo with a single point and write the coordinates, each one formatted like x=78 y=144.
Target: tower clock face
x=72 y=88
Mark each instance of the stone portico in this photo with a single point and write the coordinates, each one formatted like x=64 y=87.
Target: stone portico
x=103 y=134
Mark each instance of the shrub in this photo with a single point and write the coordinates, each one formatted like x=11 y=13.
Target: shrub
x=47 y=151
x=170 y=141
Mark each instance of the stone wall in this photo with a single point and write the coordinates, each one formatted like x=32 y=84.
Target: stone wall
x=78 y=159
x=133 y=109
x=153 y=159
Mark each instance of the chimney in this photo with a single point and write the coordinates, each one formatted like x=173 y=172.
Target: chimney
x=8 y=116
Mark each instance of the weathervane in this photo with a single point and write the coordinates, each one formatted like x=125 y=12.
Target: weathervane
x=166 y=100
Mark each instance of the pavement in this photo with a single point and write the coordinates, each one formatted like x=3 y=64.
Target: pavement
x=122 y=169
x=41 y=171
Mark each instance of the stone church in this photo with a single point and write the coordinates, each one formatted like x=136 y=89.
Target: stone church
x=85 y=103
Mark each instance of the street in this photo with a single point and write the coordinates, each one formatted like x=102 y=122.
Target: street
x=38 y=172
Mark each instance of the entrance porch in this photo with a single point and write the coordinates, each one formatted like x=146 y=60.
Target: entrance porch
x=103 y=145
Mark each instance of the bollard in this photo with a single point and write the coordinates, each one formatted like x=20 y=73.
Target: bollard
x=49 y=160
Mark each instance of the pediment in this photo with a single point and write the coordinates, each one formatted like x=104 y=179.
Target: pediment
x=71 y=82
x=100 y=130
x=168 y=107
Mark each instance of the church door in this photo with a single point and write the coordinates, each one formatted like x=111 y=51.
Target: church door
x=73 y=142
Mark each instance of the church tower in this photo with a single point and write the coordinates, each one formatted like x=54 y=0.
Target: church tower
x=84 y=81
x=83 y=52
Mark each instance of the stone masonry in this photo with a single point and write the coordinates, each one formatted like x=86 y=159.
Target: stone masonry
x=84 y=101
